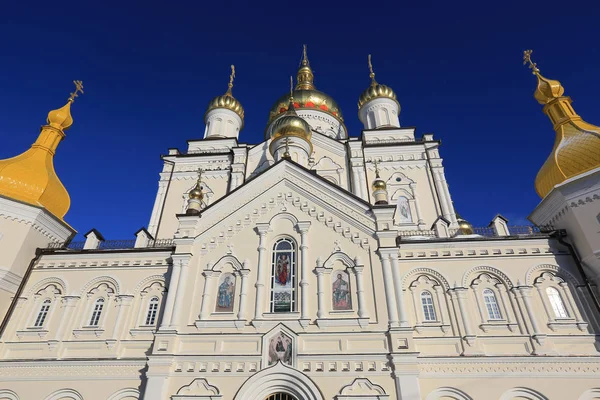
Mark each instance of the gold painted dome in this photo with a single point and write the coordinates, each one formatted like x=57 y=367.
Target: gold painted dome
x=375 y=90
x=577 y=143
x=378 y=183
x=227 y=100
x=306 y=96
x=30 y=177
x=464 y=226
x=290 y=124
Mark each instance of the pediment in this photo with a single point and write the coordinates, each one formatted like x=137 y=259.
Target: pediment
x=288 y=186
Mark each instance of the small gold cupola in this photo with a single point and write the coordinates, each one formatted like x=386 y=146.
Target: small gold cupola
x=464 y=226
x=379 y=187
x=375 y=90
x=224 y=102
x=577 y=143
x=377 y=105
x=195 y=197
x=30 y=177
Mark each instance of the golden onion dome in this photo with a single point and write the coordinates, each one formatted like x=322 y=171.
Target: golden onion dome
x=290 y=124
x=30 y=177
x=196 y=192
x=577 y=143
x=306 y=96
x=375 y=90
x=464 y=226
x=227 y=101
x=379 y=184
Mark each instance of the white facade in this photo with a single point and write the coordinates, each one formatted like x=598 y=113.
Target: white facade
x=292 y=281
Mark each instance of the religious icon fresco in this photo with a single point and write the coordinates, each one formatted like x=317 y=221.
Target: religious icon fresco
x=283 y=276
x=282 y=269
x=225 y=293
x=403 y=210
x=340 y=290
x=280 y=349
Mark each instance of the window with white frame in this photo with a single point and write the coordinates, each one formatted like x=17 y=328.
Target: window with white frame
x=556 y=302
x=428 y=307
x=283 y=276
x=97 y=312
x=42 y=314
x=491 y=304
x=152 y=311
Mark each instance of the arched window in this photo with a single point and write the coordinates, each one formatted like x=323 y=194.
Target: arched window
x=491 y=304
x=283 y=276
x=556 y=302
x=41 y=317
x=152 y=311
x=428 y=308
x=280 y=396
x=97 y=312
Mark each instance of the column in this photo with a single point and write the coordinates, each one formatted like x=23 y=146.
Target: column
x=360 y=291
x=417 y=207
x=441 y=194
x=505 y=303
x=123 y=302
x=172 y=290
x=320 y=271
x=461 y=297
x=184 y=262
x=389 y=290
x=243 y=273
x=441 y=298
x=260 y=285
x=303 y=229
x=549 y=312
x=474 y=287
x=209 y=276
x=363 y=183
x=446 y=192
x=356 y=181
x=398 y=289
x=158 y=204
x=20 y=314
x=569 y=300
x=525 y=292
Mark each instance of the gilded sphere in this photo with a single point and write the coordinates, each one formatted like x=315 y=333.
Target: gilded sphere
x=196 y=193
x=464 y=227
x=376 y=91
x=307 y=99
x=379 y=184
x=291 y=125
x=228 y=102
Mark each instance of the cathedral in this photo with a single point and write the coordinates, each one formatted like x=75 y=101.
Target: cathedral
x=319 y=264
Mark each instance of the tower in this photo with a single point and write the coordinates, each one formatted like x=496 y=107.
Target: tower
x=569 y=181
x=33 y=202
x=319 y=109
x=224 y=117
x=377 y=105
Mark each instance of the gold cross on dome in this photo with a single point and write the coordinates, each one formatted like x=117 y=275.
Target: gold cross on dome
x=527 y=59
x=287 y=148
x=78 y=89
x=200 y=170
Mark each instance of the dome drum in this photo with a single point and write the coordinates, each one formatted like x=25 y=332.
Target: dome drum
x=380 y=113
x=222 y=123
x=298 y=148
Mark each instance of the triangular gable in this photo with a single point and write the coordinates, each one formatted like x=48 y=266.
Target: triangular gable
x=307 y=184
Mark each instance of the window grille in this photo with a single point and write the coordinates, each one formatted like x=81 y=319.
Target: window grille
x=41 y=317
x=152 y=311
x=491 y=304
x=428 y=308
x=98 y=306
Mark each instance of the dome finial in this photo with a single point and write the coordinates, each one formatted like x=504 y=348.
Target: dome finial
x=195 y=196
x=547 y=89
x=286 y=154
x=371 y=73
x=527 y=59
x=291 y=89
x=231 y=77
x=305 y=76
x=376 y=163
x=61 y=118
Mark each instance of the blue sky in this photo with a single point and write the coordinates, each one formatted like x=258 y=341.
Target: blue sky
x=150 y=68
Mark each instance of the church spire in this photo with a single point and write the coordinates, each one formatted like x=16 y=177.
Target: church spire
x=305 y=76
x=577 y=143
x=30 y=177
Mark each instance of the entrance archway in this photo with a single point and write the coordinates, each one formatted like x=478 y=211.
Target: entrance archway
x=281 y=396
x=279 y=380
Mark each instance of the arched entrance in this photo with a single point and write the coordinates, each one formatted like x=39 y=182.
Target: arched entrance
x=279 y=382
x=281 y=396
